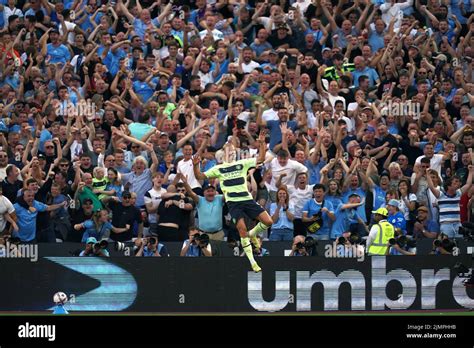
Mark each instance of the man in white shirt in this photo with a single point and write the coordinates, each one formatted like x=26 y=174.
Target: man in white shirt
x=153 y=200
x=436 y=160
x=6 y=210
x=272 y=114
x=300 y=193
x=246 y=64
x=9 y=11
x=211 y=21
x=185 y=167
x=284 y=171
x=70 y=27
x=393 y=9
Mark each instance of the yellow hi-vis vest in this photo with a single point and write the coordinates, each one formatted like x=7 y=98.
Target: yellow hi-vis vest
x=385 y=232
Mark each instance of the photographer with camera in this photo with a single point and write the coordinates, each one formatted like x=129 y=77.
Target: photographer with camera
x=424 y=227
x=149 y=247
x=348 y=245
x=443 y=245
x=303 y=246
x=94 y=248
x=197 y=245
x=401 y=245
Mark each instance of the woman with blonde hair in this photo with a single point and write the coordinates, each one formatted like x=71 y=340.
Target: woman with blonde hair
x=282 y=213
x=395 y=174
x=99 y=226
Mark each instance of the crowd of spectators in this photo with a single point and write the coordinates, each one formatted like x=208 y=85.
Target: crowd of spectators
x=106 y=107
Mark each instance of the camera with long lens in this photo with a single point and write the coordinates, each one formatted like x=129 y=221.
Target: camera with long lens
x=356 y=239
x=310 y=242
x=310 y=245
x=403 y=241
x=195 y=239
x=300 y=245
x=445 y=243
x=152 y=240
x=448 y=245
x=203 y=240
x=103 y=244
x=467 y=230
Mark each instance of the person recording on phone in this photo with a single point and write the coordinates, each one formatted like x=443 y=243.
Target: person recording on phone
x=150 y=247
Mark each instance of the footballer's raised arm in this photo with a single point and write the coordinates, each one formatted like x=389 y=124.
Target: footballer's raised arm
x=197 y=172
x=262 y=148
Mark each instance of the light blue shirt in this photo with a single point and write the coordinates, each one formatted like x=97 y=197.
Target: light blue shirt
x=344 y=217
x=312 y=207
x=361 y=209
x=376 y=41
x=58 y=54
x=335 y=200
x=92 y=231
x=260 y=48
x=314 y=174
x=210 y=213
x=283 y=222
x=143 y=90
x=275 y=131
x=27 y=221
x=138 y=130
x=139 y=28
x=59 y=309
x=379 y=197
x=193 y=250
x=140 y=184
x=369 y=72
x=111 y=60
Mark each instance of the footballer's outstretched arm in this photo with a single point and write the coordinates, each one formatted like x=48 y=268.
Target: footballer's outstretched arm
x=263 y=148
x=197 y=171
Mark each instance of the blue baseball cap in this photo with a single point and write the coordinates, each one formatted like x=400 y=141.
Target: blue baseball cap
x=394 y=203
x=91 y=240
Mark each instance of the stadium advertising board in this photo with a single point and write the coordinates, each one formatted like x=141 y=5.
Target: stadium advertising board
x=226 y=284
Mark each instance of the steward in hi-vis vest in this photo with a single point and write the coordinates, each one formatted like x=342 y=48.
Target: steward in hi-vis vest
x=380 y=233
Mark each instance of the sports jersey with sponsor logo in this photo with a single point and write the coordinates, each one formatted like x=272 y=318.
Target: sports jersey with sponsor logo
x=233 y=179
